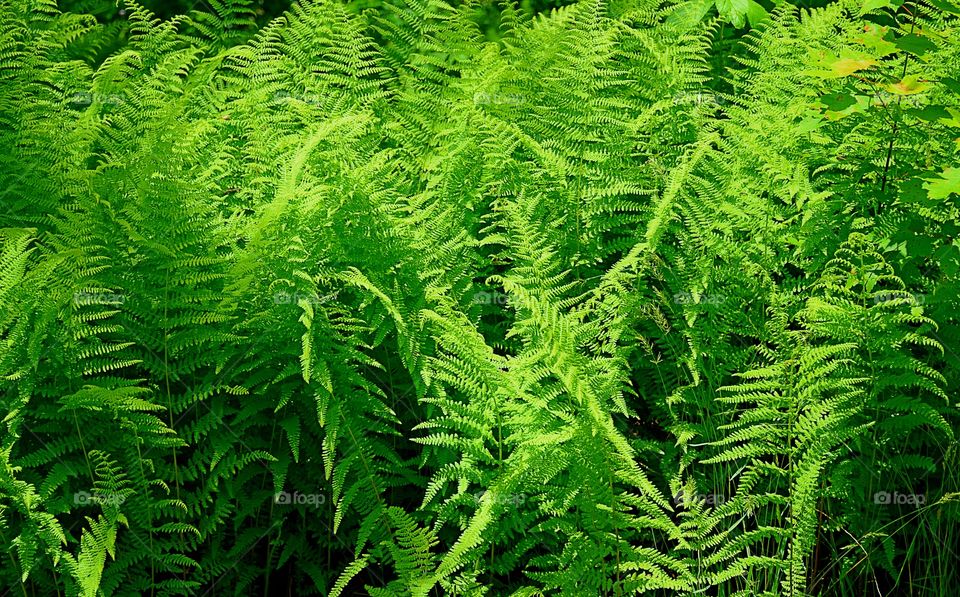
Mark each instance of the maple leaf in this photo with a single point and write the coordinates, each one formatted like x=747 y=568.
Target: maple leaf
x=847 y=66
x=948 y=183
x=844 y=65
x=908 y=86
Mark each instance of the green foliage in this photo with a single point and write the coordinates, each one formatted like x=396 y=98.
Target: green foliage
x=422 y=298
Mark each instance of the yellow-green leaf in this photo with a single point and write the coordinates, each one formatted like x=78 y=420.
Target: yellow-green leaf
x=908 y=86
x=844 y=65
x=873 y=39
x=847 y=66
x=947 y=184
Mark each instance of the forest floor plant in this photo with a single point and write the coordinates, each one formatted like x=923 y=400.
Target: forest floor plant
x=405 y=297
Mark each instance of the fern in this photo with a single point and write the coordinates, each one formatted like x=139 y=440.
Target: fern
x=411 y=297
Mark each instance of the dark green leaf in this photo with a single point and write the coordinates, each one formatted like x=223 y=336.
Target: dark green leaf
x=945 y=6
x=951 y=84
x=912 y=191
x=838 y=101
x=915 y=44
x=929 y=113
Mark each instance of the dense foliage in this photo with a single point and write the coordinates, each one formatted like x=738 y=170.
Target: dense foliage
x=416 y=298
